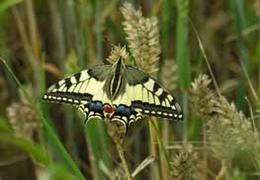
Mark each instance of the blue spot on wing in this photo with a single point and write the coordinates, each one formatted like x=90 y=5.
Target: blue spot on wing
x=122 y=110
x=95 y=106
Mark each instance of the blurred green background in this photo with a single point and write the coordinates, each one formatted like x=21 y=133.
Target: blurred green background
x=43 y=41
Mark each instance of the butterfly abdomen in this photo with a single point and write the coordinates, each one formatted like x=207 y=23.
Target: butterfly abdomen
x=116 y=82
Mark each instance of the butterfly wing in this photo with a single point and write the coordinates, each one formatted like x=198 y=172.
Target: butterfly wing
x=83 y=89
x=141 y=95
x=149 y=97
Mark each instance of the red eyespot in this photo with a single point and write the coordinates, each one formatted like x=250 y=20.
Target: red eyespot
x=109 y=109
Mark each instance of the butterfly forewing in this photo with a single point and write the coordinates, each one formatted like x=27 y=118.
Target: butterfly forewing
x=79 y=88
x=68 y=90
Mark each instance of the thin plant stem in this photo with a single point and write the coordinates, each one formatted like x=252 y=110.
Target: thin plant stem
x=251 y=87
x=92 y=157
x=205 y=58
x=121 y=153
x=183 y=57
x=98 y=28
x=57 y=32
x=222 y=172
x=161 y=144
x=24 y=38
x=34 y=37
x=153 y=150
x=117 y=134
x=205 y=156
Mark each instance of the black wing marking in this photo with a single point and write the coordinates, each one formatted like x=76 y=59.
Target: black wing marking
x=149 y=97
x=79 y=88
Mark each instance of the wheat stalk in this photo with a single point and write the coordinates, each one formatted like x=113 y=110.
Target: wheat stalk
x=143 y=37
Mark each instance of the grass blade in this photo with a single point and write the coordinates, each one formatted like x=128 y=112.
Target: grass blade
x=48 y=128
x=182 y=55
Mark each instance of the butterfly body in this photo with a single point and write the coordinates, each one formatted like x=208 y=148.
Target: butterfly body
x=116 y=92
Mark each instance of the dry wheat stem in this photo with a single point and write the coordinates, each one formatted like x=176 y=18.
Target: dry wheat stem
x=205 y=58
x=121 y=153
x=117 y=133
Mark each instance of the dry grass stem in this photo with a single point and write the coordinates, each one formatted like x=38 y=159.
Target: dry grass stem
x=206 y=58
x=143 y=165
x=117 y=132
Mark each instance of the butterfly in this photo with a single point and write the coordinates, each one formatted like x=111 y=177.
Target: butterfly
x=120 y=93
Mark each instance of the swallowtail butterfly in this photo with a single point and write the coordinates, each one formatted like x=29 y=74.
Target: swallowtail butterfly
x=117 y=92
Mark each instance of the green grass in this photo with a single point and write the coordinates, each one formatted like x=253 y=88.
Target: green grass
x=182 y=56
x=4 y=5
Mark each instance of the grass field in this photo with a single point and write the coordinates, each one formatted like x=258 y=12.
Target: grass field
x=207 y=53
